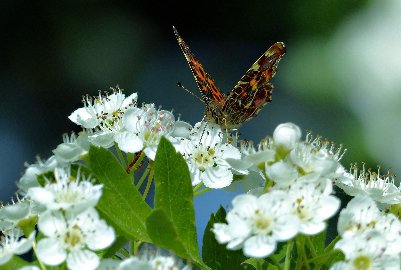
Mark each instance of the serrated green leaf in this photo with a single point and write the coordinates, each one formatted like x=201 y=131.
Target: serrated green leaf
x=215 y=255
x=174 y=195
x=121 y=203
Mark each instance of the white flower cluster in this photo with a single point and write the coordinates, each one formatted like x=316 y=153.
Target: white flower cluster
x=64 y=210
x=115 y=119
x=370 y=238
x=297 y=196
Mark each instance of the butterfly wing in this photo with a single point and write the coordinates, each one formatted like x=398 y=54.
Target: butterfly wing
x=207 y=87
x=253 y=91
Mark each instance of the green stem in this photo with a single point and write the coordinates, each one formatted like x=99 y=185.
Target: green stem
x=332 y=244
x=197 y=187
x=120 y=155
x=311 y=246
x=287 y=263
x=149 y=183
x=317 y=258
x=134 y=247
x=200 y=192
x=42 y=266
x=143 y=177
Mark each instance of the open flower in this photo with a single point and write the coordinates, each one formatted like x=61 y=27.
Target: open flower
x=313 y=205
x=256 y=224
x=380 y=187
x=74 y=194
x=206 y=155
x=72 y=238
x=366 y=251
x=12 y=243
x=143 y=128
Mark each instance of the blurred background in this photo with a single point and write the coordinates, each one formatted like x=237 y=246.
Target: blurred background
x=340 y=78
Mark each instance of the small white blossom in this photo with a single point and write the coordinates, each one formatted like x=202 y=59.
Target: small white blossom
x=313 y=205
x=366 y=251
x=12 y=243
x=72 y=238
x=144 y=262
x=102 y=110
x=29 y=179
x=380 y=187
x=67 y=192
x=143 y=128
x=256 y=224
x=206 y=155
x=72 y=148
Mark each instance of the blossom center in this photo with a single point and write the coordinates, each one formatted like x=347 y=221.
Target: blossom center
x=363 y=263
x=204 y=158
x=262 y=223
x=74 y=238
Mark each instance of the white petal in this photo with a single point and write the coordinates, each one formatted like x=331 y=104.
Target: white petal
x=102 y=139
x=41 y=195
x=134 y=263
x=128 y=142
x=328 y=207
x=102 y=238
x=82 y=117
x=312 y=228
x=5 y=257
x=259 y=246
x=51 y=223
x=131 y=119
x=150 y=152
x=217 y=177
x=50 y=251
x=82 y=259
x=287 y=135
x=24 y=245
x=15 y=211
x=129 y=100
x=285 y=227
x=182 y=129
x=67 y=152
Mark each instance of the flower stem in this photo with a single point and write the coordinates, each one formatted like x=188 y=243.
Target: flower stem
x=200 y=192
x=150 y=180
x=42 y=266
x=120 y=155
x=287 y=263
x=197 y=187
x=145 y=173
x=311 y=246
x=134 y=246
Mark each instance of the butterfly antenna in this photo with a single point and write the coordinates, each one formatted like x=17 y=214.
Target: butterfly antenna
x=204 y=128
x=183 y=87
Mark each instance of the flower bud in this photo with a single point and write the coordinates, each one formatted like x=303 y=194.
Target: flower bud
x=287 y=135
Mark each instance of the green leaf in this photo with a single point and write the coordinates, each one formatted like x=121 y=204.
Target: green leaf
x=15 y=263
x=215 y=255
x=174 y=196
x=121 y=203
x=163 y=233
x=260 y=264
x=318 y=241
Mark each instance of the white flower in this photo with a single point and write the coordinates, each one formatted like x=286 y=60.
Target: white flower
x=11 y=215
x=366 y=251
x=144 y=262
x=67 y=193
x=256 y=224
x=72 y=238
x=72 y=148
x=313 y=205
x=143 y=128
x=29 y=179
x=380 y=187
x=207 y=155
x=12 y=244
x=316 y=156
x=286 y=135
x=103 y=110
x=360 y=215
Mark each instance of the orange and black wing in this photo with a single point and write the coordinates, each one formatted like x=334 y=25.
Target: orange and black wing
x=253 y=91
x=207 y=87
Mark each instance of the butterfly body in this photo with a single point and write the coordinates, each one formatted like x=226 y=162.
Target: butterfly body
x=246 y=99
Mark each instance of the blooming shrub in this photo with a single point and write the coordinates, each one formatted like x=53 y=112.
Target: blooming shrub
x=85 y=206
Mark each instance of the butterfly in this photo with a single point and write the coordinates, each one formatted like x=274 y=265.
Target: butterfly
x=249 y=95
